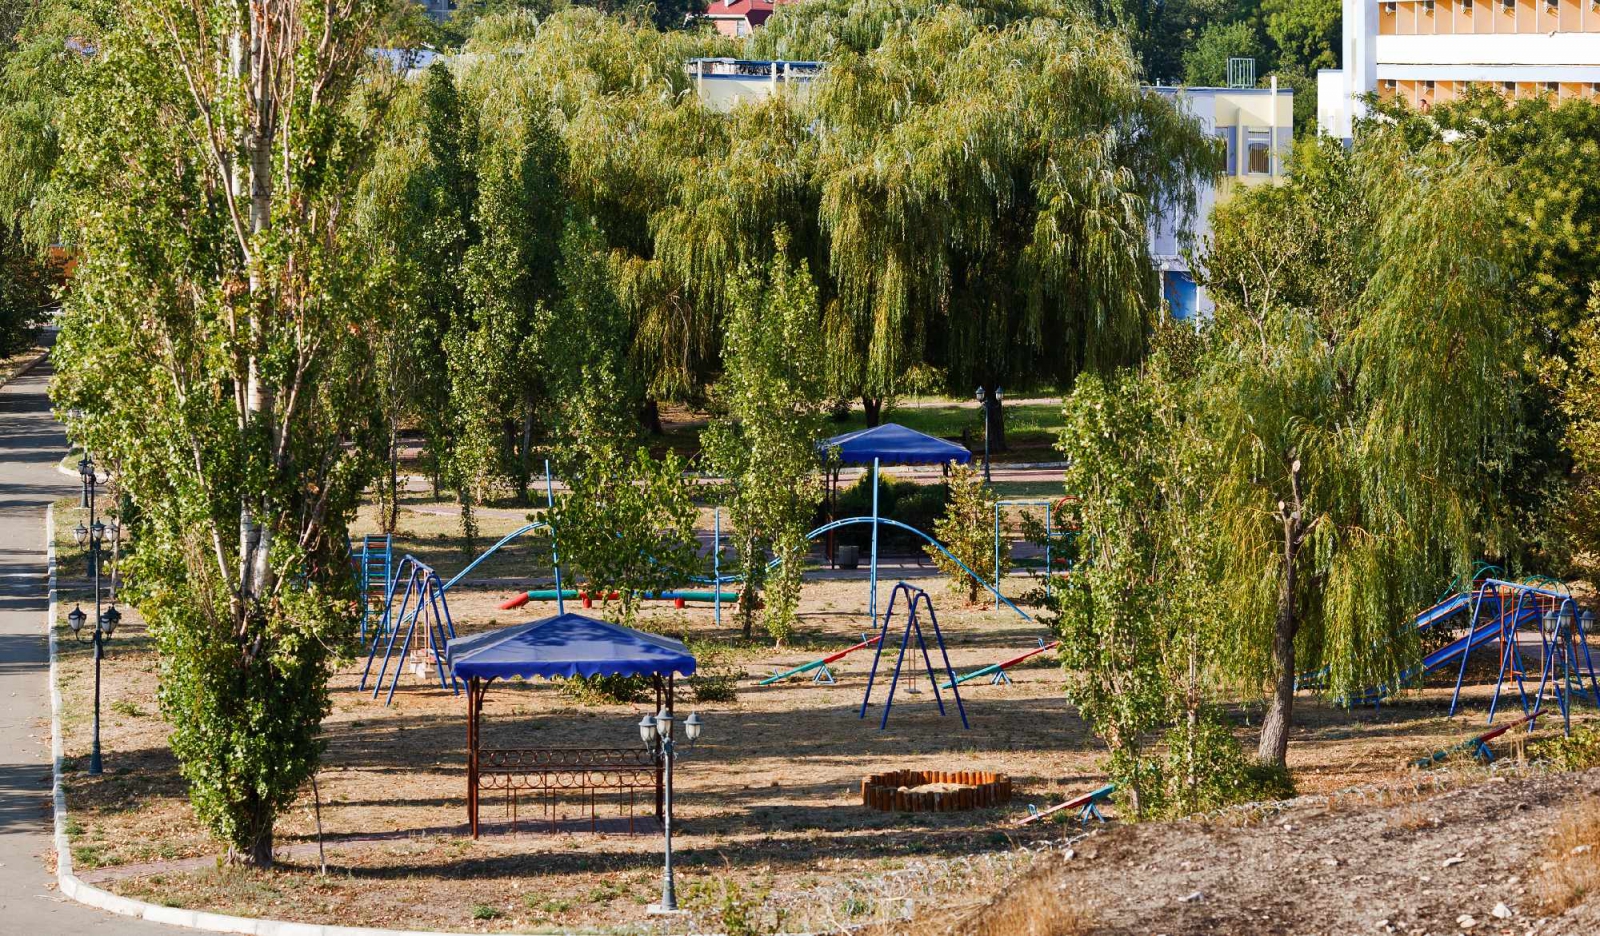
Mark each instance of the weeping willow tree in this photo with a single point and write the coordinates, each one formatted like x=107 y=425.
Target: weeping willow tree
x=986 y=178
x=1362 y=375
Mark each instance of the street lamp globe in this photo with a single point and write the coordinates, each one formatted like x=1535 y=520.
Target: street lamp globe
x=75 y=620
x=80 y=533
x=98 y=531
x=999 y=395
x=109 y=620
x=664 y=724
x=980 y=394
x=691 y=727
x=647 y=729
x=85 y=469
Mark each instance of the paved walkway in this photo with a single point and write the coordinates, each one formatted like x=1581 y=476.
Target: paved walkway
x=31 y=442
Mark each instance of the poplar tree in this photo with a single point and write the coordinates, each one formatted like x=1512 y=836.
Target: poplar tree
x=218 y=342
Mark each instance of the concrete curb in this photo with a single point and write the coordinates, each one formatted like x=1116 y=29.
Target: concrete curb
x=72 y=886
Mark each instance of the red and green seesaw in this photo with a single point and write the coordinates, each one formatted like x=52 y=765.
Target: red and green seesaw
x=997 y=671
x=819 y=668
x=1088 y=804
x=678 y=598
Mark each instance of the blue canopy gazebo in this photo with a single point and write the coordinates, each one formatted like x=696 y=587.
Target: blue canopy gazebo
x=886 y=444
x=562 y=646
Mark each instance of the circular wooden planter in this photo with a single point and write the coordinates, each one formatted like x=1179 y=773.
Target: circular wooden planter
x=896 y=791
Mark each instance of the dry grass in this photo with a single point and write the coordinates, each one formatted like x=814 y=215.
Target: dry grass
x=770 y=801
x=1571 y=874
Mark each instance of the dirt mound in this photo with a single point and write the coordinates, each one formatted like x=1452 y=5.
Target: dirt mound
x=1474 y=858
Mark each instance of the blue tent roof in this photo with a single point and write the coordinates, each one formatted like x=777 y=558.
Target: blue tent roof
x=894 y=444
x=567 y=645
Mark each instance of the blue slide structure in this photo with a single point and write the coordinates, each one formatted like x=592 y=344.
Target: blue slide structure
x=1497 y=610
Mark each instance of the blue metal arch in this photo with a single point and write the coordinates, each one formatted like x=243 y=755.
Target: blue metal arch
x=853 y=521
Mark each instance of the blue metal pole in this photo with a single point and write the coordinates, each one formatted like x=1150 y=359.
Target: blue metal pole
x=716 y=563
x=872 y=601
x=1048 y=568
x=555 y=555
x=997 y=556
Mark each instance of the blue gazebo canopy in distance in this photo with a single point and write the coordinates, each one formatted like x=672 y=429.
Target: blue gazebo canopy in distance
x=567 y=645
x=894 y=444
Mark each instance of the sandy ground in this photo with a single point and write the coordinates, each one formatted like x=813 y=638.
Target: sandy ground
x=770 y=826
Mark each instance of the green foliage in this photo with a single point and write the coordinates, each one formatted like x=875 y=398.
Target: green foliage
x=967 y=531
x=486 y=912
x=716 y=676
x=218 y=341
x=1206 y=62
x=772 y=392
x=606 y=690
x=1206 y=768
x=1306 y=32
x=1358 y=389
x=734 y=909
x=1580 y=403
x=910 y=502
x=1579 y=750
x=627 y=523
x=25 y=293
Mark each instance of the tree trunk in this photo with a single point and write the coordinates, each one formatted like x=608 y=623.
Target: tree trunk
x=1274 y=747
x=527 y=445
x=874 y=408
x=650 y=417
x=259 y=852
x=390 y=518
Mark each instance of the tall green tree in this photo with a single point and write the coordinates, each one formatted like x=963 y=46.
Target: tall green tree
x=1206 y=62
x=1361 y=378
x=765 y=446
x=218 y=342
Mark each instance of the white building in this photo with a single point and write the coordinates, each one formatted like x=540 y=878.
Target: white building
x=1427 y=52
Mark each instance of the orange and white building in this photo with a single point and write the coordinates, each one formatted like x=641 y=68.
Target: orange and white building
x=1430 y=51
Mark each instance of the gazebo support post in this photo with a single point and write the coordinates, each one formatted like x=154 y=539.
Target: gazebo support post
x=474 y=704
x=555 y=554
x=872 y=601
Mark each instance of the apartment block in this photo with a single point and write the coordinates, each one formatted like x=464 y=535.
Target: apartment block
x=1428 y=52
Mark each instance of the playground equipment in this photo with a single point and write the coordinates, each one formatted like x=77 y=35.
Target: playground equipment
x=1498 y=610
x=916 y=600
x=997 y=671
x=1479 y=744
x=819 y=668
x=1052 y=536
x=374 y=567
x=934 y=790
x=426 y=603
x=1088 y=804
x=588 y=598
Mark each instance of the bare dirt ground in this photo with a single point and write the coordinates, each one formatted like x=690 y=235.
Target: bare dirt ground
x=1482 y=854
x=770 y=828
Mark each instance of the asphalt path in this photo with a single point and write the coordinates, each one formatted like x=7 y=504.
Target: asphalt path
x=31 y=443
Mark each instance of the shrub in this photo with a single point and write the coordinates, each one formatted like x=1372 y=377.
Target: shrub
x=1577 y=751
x=606 y=690
x=967 y=530
x=1206 y=768
x=916 y=505
x=485 y=912
x=716 y=677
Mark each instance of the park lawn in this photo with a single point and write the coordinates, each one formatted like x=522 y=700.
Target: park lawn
x=769 y=802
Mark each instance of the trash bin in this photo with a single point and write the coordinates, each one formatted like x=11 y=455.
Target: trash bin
x=847 y=557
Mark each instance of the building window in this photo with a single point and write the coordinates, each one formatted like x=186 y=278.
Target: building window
x=1552 y=87
x=1258 y=153
x=1595 y=87
x=1388 y=9
x=1467 y=86
x=1509 y=86
x=1510 y=6
x=1388 y=85
x=1427 y=87
x=1427 y=6
x=1466 y=6
x=1226 y=133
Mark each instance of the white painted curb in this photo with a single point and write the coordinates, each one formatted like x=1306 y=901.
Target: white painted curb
x=93 y=896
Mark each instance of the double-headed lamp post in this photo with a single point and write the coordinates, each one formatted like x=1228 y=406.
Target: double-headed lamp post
x=656 y=733
x=93 y=536
x=983 y=408
x=103 y=630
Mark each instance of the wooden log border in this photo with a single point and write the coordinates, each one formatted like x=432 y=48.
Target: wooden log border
x=983 y=789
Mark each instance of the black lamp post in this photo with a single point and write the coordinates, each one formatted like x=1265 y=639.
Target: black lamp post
x=983 y=407
x=93 y=536
x=656 y=733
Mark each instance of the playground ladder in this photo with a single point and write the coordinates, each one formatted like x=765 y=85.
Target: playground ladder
x=375 y=568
